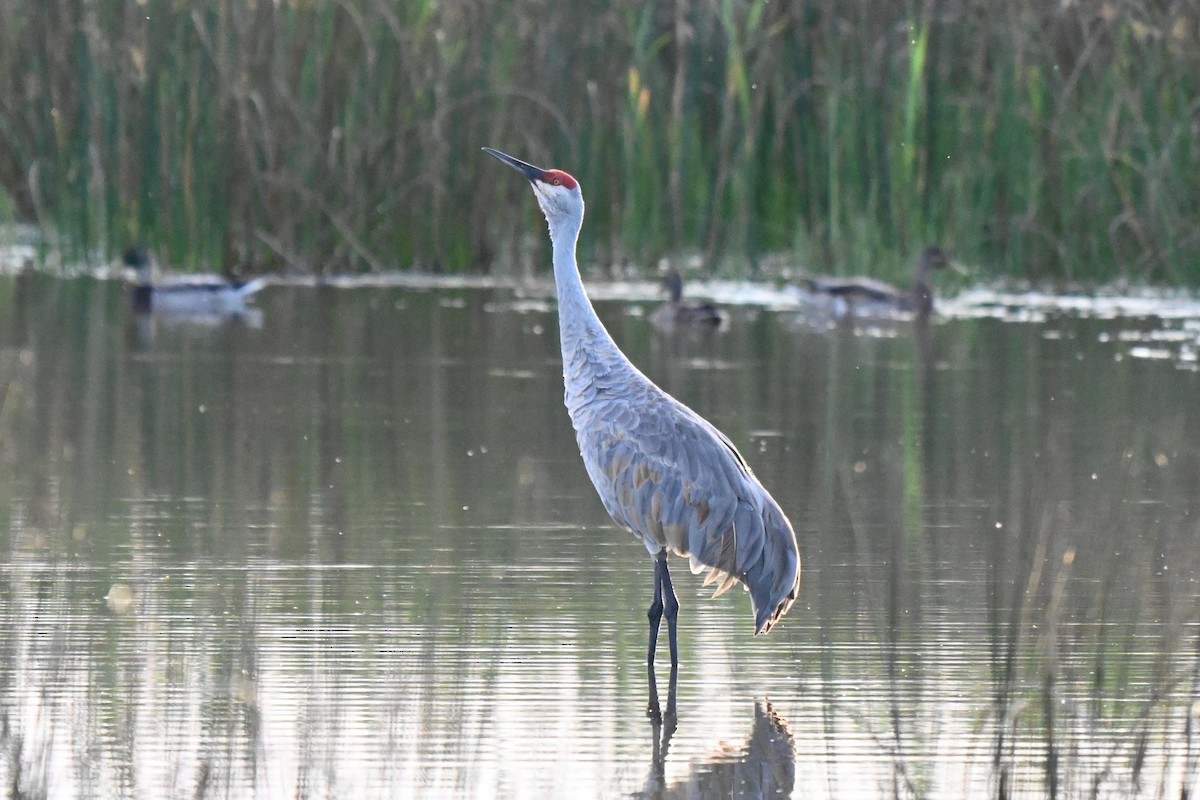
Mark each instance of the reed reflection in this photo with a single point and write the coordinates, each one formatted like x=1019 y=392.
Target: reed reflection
x=359 y=553
x=1002 y=512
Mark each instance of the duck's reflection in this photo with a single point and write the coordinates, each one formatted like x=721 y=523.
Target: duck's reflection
x=765 y=766
x=143 y=327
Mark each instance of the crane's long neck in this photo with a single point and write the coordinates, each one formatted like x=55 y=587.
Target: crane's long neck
x=580 y=331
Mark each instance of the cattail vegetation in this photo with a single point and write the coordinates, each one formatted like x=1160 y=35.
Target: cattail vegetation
x=1046 y=141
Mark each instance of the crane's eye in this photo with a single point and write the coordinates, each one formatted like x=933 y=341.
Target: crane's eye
x=557 y=182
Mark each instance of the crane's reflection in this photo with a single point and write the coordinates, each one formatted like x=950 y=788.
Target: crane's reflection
x=765 y=766
x=654 y=710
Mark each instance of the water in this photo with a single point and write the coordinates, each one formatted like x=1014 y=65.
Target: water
x=349 y=550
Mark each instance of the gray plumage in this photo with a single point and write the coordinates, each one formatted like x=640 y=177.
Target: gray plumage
x=662 y=471
x=666 y=474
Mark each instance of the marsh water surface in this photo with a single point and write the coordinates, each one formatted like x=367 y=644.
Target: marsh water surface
x=349 y=549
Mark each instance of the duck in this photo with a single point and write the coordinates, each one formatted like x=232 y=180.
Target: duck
x=677 y=313
x=199 y=295
x=866 y=296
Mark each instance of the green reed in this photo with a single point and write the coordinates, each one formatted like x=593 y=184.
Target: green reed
x=1046 y=142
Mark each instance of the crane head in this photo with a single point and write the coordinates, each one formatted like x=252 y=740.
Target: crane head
x=557 y=192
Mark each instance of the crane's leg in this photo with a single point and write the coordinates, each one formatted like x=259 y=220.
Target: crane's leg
x=665 y=602
x=655 y=612
x=671 y=609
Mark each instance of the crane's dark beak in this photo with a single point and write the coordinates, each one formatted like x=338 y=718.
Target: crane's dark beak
x=528 y=170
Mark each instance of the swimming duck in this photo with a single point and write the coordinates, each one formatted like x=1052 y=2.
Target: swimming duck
x=198 y=295
x=869 y=296
x=677 y=312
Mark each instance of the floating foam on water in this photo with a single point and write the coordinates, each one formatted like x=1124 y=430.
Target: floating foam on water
x=978 y=302
x=1154 y=353
x=1021 y=305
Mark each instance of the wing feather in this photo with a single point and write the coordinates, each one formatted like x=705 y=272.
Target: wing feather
x=669 y=476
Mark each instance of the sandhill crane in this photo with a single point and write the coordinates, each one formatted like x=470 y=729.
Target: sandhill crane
x=678 y=312
x=663 y=472
x=865 y=295
x=204 y=295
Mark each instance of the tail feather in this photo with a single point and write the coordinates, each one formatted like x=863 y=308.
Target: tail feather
x=250 y=287
x=725 y=585
x=774 y=580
